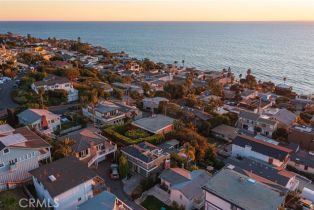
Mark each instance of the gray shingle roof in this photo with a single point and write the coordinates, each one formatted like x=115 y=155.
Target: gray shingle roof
x=262 y=147
x=69 y=173
x=238 y=190
x=264 y=170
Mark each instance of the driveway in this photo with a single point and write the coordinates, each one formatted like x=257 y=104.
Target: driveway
x=5 y=95
x=115 y=186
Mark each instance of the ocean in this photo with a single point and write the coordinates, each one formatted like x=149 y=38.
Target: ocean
x=272 y=50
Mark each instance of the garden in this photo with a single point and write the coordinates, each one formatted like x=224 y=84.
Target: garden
x=128 y=134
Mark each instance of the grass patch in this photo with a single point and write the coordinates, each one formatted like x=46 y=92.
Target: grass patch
x=153 y=203
x=9 y=200
x=127 y=134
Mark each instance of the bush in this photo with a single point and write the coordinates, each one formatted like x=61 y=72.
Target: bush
x=136 y=133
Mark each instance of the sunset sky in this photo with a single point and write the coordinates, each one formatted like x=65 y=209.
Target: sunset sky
x=157 y=10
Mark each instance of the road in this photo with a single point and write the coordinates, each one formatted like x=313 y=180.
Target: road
x=5 y=95
x=116 y=186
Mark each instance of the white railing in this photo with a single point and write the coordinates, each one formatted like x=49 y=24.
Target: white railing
x=101 y=154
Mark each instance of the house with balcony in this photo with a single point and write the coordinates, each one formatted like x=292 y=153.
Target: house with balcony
x=284 y=117
x=251 y=123
x=246 y=146
x=90 y=146
x=66 y=183
x=185 y=187
x=146 y=159
x=110 y=112
x=52 y=82
x=230 y=190
x=21 y=150
x=42 y=120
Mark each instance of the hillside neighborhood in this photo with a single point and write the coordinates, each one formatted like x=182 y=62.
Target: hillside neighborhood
x=85 y=128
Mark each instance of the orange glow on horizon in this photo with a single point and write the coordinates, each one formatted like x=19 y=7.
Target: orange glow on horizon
x=158 y=10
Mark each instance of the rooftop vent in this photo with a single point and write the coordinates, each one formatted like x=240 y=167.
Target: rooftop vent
x=231 y=167
x=52 y=178
x=252 y=181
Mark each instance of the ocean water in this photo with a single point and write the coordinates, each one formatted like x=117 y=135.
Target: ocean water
x=272 y=50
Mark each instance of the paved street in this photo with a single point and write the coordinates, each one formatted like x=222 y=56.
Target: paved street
x=5 y=95
x=116 y=186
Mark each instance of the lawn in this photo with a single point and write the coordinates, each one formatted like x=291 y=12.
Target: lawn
x=9 y=200
x=153 y=203
x=128 y=134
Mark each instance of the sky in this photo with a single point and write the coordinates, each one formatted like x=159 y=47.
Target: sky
x=157 y=10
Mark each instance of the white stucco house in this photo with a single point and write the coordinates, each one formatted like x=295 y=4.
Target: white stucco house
x=246 y=146
x=66 y=183
x=52 y=82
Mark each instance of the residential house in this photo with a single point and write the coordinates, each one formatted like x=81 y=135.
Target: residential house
x=153 y=103
x=62 y=64
x=225 y=132
x=283 y=89
x=275 y=177
x=302 y=161
x=90 y=146
x=222 y=77
x=185 y=187
x=230 y=190
x=21 y=150
x=110 y=112
x=157 y=124
x=104 y=201
x=66 y=183
x=246 y=146
x=146 y=158
x=42 y=120
x=284 y=117
x=248 y=94
x=52 y=82
x=303 y=136
x=255 y=123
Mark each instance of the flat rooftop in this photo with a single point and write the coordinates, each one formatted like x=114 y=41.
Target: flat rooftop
x=154 y=124
x=243 y=192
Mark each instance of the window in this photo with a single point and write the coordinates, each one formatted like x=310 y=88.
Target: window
x=1 y=165
x=79 y=199
x=306 y=167
x=6 y=151
x=270 y=161
x=11 y=162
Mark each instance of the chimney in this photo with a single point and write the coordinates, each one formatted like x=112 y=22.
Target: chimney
x=44 y=122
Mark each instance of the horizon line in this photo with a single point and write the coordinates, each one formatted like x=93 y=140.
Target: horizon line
x=156 y=20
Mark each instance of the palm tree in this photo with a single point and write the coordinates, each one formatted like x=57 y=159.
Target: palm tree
x=41 y=92
x=240 y=76
x=65 y=147
x=189 y=152
x=175 y=63
x=183 y=61
x=249 y=72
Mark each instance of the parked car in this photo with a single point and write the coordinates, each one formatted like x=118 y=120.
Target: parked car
x=114 y=173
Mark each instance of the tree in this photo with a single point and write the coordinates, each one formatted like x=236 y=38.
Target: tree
x=183 y=61
x=189 y=152
x=41 y=92
x=123 y=166
x=64 y=147
x=72 y=74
